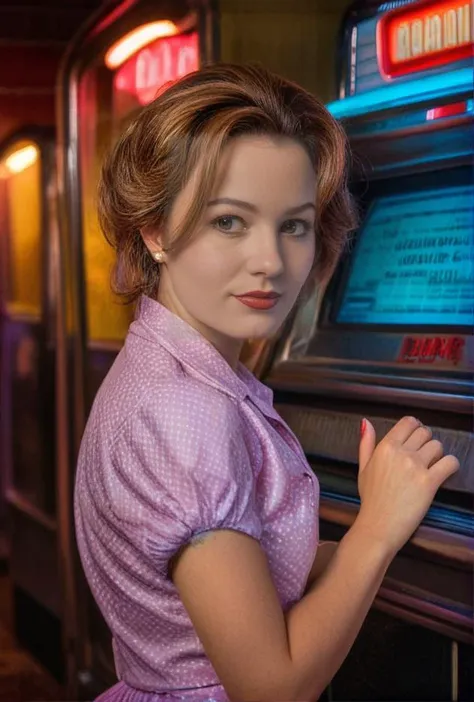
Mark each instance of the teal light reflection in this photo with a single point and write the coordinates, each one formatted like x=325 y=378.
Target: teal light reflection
x=402 y=94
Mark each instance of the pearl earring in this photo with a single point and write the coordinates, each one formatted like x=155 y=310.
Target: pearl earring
x=158 y=256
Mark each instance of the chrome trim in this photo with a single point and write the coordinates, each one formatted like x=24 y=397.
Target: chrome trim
x=293 y=377
x=408 y=610
x=383 y=374
x=400 y=132
x=452 y=547
x=419 y=609
x=454 y=671
x=16 y=500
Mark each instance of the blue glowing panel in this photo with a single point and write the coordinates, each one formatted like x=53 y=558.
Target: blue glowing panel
x=454 y=84
x=414 y=261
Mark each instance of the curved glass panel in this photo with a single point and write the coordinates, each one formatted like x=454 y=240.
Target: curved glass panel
x=108 y=101
x=20 y=205
x=27 y=367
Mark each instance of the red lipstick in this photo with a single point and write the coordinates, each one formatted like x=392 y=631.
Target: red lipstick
x=259 y=300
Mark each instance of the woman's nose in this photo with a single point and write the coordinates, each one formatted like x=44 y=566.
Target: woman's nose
x=265 y=256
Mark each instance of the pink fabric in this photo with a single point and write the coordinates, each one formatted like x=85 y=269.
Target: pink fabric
x=177 y=444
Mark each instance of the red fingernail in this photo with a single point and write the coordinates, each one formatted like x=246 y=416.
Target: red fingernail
x=363 y=426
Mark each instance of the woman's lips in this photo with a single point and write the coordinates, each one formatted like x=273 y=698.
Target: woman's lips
x=265 y=302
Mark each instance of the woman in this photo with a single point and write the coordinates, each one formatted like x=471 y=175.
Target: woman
x=196 y=510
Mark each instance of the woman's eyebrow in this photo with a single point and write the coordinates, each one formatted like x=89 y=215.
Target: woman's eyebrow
x=253 y=208
x=232 y=201
x=300 y=208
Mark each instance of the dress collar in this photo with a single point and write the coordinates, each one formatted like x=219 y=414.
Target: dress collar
x=156 y=323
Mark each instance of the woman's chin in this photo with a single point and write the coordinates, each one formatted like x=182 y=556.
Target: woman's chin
x=260 y=330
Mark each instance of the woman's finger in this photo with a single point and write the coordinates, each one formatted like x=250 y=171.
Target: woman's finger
x=403 y=429
x=419 y=438
x=367 y=443
x=442 y=470
x=431 y=452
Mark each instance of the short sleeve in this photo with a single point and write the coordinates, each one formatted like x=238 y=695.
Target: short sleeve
x=186 y=468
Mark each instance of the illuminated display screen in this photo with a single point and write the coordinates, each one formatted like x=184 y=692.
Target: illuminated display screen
x=414 y=261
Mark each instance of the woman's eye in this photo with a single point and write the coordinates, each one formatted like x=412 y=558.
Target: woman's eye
x=229 y=224
x=296 y=227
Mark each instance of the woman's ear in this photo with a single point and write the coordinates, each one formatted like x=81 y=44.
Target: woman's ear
x=153 y=242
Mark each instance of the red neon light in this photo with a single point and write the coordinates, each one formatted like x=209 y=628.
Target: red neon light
x=112 y=17
x=455 y=108
x=161 y=62
x=434 y=33
x=428 y=349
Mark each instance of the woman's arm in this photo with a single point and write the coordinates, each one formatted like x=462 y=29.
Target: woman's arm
x=324 y=554
x=323 y=626
x=259 y=652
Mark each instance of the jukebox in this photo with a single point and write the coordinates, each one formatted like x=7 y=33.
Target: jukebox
x=392 y=334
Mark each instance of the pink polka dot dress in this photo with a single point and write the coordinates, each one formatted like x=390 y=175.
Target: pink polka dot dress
x=178 y=444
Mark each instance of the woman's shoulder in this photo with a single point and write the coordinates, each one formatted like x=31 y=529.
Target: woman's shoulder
x=162 y=397
x=176 y=435
x=184 y=406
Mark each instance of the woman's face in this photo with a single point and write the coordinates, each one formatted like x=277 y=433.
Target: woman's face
x=257 y=236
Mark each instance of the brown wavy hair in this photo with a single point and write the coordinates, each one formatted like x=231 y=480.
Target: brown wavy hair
x=186 y=127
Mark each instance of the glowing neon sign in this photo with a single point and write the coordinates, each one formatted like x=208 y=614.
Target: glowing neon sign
x=161 y=62
x=430 y=34
x=428 y=349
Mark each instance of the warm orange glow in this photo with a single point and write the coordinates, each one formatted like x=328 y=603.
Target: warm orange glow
x=21 y=159
x=429 y=34
x=137 y=39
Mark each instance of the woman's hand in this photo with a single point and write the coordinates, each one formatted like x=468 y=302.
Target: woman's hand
x=398 y=479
